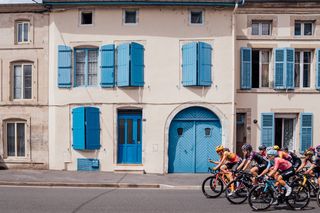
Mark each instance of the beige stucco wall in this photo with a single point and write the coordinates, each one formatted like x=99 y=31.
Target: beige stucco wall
x=35 y=110
x=162 y=32
x=267 y=99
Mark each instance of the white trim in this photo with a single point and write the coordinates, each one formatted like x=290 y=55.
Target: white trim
x=15 y=122
x=22 y=33
x=202 y=17
x=80 y=18
x=124 y=17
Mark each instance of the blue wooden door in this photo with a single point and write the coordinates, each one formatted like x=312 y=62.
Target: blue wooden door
x=207 y=138
x=129 y=139
x=182 y=147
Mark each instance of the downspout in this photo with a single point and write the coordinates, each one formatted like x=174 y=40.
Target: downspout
x=233 y=115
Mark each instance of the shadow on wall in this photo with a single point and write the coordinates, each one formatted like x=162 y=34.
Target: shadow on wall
x=3 y=166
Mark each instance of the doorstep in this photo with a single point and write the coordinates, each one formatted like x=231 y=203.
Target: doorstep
x=129 y=168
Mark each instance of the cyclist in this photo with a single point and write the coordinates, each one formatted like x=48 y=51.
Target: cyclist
x=315 y=168
x=295 y=160
x=282 y=154
x=249 y=156
x=228 y=160
x=308 y=159
x=263 y=150
x=285 y=168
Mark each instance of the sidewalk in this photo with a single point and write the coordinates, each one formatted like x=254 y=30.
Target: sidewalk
x=99 y=179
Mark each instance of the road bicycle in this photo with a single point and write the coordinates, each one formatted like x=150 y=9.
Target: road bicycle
x=318 y=197
x=263 y=195
x=237 y=191
x=213 y=186
x=309 y=181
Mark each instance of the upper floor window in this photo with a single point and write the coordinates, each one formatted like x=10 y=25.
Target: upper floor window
x=15 y=140
x=22 y=81
x=130 y=16
x=86 y=69
x=196 y=17
x=22 y=30
x=302 y=69
x=261 y=28
x=86 y=17
x=260 y=68
x=303 y=28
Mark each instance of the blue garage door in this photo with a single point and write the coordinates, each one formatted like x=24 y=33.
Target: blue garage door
x=194 y=134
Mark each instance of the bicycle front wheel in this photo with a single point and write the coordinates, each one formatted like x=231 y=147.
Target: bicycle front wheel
x=299 y=198
x=212 y=187
x=318 y=198
x=260 y=198
x=237 y=192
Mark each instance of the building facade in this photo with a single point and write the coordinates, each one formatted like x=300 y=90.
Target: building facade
x=24 y=86
x=277 y=68
x=140 y=88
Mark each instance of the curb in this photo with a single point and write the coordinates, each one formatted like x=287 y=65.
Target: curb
x=85 y=185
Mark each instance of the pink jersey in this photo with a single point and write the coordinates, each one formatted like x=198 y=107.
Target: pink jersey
x=281 y=164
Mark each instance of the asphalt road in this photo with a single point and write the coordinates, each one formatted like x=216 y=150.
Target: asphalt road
x=74 y=200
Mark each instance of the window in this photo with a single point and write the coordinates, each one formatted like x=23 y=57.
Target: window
x=260 y=68
x=196 y=64
x=196 y=17
x=86 y=128
x=86 y=18
x=130 y=65
x=302 y=69
x=15 y=139
x=303 y=28
x=261 y=28
x=86 y=69
x=130 y=16
x=23 y=32
x=22 y=81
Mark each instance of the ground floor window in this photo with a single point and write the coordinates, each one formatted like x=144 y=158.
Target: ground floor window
x=15 y=139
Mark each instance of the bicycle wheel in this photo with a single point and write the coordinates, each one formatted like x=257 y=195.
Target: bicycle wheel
x=237 y=192
x=259 y=198
x=299 y=198
x=318 y=198
x=212 y=187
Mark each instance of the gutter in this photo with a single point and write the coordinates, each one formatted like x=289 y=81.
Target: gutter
x=154 y=3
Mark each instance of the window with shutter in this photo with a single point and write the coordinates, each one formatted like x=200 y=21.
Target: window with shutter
x=246 y=68
x=205 y=64
x=64 y=66
x=267 y=129
x=279 y=68
x=107 y=65
x=306 y=123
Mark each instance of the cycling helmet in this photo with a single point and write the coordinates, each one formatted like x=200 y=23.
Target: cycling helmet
x=318 y=148
x=219 y=148
x=226 y=149
x=247 y=147
x=285 y=149
x=276 y=147
x=272 y=152
x=311 y=149
x=308 y=153
x=262 y=147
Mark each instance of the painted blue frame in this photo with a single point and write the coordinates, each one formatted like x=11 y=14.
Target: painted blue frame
x=124 y=147
x=85 y=67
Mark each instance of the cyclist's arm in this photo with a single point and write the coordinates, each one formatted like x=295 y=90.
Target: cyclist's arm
x=247 y=164
x=311 y=168
x=241 y=165
x=266 y=170
x=302 y=165
x=275 y=169
x=223 y=160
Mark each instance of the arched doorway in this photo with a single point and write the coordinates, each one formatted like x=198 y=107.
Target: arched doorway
x=194 y=133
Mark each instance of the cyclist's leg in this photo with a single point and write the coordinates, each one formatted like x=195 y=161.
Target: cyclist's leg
x=283 y=177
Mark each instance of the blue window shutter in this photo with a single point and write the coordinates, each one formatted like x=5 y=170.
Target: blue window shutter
x=123 y=64
x=107 y=65
x=78 y=128
x=205 y=64
x=318 y=69
x=290 y=68
x=246 y=68
x=267 y=129
x=306 y=123
x=137 y=65
x=92 y=128
x=189 y=64
x=279 y=68
x=64 y=66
